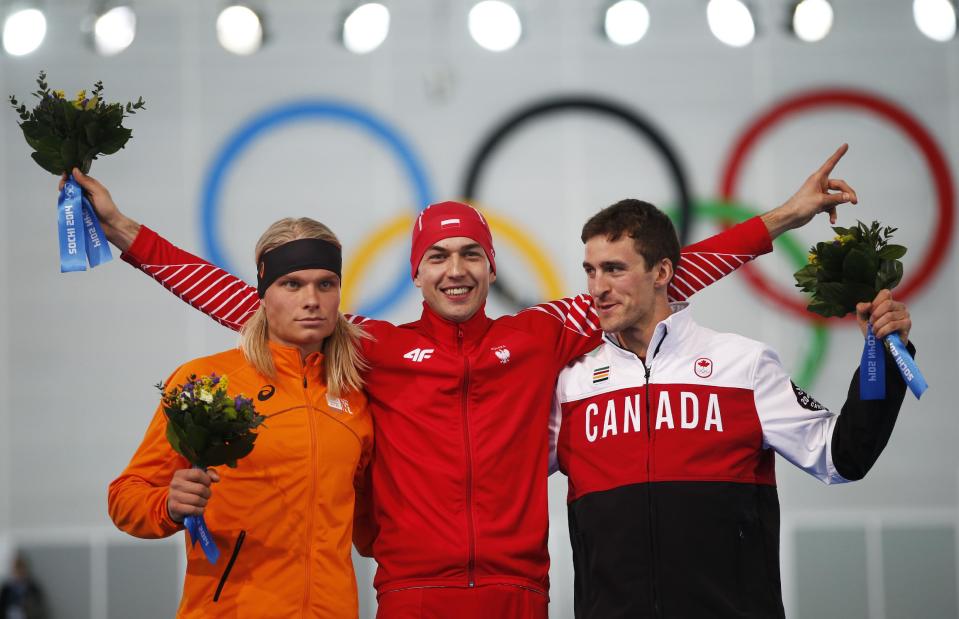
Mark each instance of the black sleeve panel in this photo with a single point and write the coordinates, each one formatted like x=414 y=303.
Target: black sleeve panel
x=864 y=426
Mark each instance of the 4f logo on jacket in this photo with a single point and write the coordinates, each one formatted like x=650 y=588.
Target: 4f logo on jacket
x=418 y=355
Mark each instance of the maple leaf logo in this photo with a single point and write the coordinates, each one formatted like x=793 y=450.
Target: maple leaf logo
x=703 y=367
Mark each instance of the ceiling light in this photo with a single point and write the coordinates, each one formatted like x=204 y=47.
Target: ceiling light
x=114 y=30
x=626 y=22
x=23 y=31
x=935 y=18
x=731 y=22
x=239 y=30
x=812 y=20
x=366 y=28
x=495 y=25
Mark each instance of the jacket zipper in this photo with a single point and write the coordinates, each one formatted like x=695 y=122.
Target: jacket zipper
x=653 y=584
x=471 y=565
x=309 y=520
x=229 y=566
x=649 y=493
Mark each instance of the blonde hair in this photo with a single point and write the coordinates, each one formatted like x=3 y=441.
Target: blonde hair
x=343 y=363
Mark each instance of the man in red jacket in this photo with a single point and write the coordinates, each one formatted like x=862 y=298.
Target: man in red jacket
x=460 y=401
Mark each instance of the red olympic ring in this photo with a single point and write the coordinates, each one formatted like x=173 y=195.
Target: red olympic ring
x=945 y=193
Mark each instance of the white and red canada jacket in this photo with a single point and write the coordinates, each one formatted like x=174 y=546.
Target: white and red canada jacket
x=672 y=498
x=461 y=415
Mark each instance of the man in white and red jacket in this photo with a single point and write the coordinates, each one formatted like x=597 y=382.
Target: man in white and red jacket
x=668 y=433
x=461 y=401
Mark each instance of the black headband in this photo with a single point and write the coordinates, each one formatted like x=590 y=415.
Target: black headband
x=297 y=256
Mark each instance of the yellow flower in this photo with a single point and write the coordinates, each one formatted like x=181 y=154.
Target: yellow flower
x=92 y=103
x=59 y=94
x=81 y=95
x=812 y=258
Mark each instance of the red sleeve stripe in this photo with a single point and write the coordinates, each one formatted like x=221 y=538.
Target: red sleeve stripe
x=201 y=280
x=703 y=263
x=247 y=306
x=182 y=281
x=238 y=285
x=216 y=310
x=589 y=324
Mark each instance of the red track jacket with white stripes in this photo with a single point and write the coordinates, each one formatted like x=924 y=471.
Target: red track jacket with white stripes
x=461 y=415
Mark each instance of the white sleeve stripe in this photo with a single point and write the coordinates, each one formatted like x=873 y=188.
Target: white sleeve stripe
x=678 y=278
x=241 y=306
x=228 y=299
x=706 y=274
x=702 y=262
x=689 y=274
x=570 y=320
x=212 y=272
x=155 y=271
x=200 y=295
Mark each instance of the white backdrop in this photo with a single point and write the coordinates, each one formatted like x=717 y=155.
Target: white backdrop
x=82 y=351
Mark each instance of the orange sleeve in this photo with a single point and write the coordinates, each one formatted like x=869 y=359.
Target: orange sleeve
x=137 y=498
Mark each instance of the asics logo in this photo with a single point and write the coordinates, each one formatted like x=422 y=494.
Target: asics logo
x=418 y=355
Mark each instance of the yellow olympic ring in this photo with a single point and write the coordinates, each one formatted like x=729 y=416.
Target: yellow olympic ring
x=362 y=259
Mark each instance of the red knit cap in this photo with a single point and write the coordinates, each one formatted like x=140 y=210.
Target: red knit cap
x=448 y=219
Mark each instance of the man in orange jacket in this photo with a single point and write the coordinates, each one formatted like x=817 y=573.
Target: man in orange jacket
x=286 y=511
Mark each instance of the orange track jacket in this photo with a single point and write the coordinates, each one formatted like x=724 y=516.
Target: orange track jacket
x=283 y=518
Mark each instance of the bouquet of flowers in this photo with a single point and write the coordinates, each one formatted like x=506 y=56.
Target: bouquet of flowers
x=853 y=268
x=208 y=427
x=66 y=134
x=850 y=269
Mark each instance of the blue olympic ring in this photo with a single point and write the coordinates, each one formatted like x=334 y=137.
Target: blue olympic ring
x=299 y=111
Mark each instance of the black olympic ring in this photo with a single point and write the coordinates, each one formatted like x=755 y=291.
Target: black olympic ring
x=583 y=103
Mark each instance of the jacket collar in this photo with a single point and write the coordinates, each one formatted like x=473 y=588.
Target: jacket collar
x=449 y=333
x=287 y=361
x=668 y=333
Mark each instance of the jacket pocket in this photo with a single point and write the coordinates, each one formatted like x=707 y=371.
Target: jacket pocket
x=229 y=565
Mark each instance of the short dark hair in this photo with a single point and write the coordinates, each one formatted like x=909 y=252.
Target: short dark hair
x=653 y=234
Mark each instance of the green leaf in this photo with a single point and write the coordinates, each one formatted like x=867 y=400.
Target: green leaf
x=49 y=162
x=197 y=438
x=889 y=275
x=859 y=267
x=830 y=292
x=892 y=252
x=69 y=153
x=70 y=114
x=826 y=310
x=854 y=292
x=177 y=438
x=46 y=144
x=113 y=140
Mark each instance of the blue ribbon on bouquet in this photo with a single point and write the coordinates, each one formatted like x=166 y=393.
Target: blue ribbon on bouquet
x=198 y=532
x=81 y=238
x=872 y=367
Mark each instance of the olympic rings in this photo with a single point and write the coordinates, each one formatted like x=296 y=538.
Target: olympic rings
x=361 y=261
x=301 y=111
x=595 y=105
x=945 y=193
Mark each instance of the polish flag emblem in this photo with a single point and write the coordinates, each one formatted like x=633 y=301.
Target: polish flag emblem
x=703 y=367
x=449 y=223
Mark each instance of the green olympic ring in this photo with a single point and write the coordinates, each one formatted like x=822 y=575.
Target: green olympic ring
x=718 y=210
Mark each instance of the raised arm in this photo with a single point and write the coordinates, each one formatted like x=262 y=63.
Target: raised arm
x=220 y=295
x=818 y=194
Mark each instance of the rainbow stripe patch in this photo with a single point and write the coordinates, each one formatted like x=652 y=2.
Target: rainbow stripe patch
x=600 y=374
